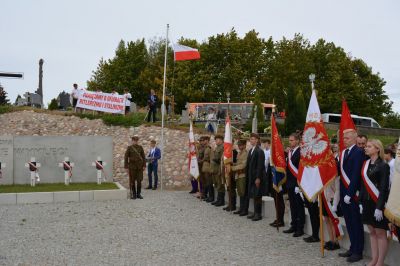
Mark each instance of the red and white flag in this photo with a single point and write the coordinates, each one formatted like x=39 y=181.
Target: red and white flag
x=317 y=164
x=193 y=163
x=182 y=53
x=228 y=142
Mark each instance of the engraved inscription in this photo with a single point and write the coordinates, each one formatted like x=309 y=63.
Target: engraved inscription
x=37 y=151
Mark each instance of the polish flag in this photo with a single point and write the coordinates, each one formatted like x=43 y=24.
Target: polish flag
x=193 y=163
x=346 y=122
x=182 y=53
x=317 y=166
x=228 y=142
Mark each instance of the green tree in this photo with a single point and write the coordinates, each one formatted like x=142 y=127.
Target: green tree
x=53 y=105
x=3 y=96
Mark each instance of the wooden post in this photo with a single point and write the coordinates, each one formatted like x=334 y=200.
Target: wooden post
x=321 y=226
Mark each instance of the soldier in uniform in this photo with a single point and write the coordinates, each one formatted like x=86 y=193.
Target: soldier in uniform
x=135 y=163
x=200 y=159
x=206 y=171
x=239 y=170
x=216 y=159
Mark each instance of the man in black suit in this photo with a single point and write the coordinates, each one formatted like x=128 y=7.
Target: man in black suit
x=295 y=197
x=257 y=178
x=152 y=105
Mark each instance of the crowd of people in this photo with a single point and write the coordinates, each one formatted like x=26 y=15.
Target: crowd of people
x=358 y=193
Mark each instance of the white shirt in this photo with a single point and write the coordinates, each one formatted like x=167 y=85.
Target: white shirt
x=75 y=94
x=267 y=154
x=128 y=98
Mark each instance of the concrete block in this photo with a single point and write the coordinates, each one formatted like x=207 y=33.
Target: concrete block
x=86 y=195
x=8 y=198
x=35 y=197
x=268 y=207
x=109 y=194
x=66 y=196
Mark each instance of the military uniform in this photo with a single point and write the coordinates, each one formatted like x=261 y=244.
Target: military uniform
x=135 y=162
x=207 y=173
x=239 y=168
x=218 y=178
x=200 y=158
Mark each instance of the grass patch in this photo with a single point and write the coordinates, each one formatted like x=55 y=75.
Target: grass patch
x=5 y=109
x=47 y=187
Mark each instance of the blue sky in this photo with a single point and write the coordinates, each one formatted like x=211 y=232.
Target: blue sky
x=71 y=36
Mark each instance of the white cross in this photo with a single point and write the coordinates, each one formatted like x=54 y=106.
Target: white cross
x=67 y=166
x=2 y=166
x=99 y=164
x=32 y=164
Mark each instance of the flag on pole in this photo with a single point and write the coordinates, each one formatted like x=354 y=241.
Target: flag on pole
x=317 y=166
x=346 y=122
x=193 y=164
x=392 y=209
x=278 y=162
x=228 y=155
x=182 y=53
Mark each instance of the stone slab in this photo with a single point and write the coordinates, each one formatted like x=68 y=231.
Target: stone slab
x=49 y=151
x=35 y=197
x=109 y=194
x=6 y=156
x=66 y=196
x=8 y=198
x=86 y=195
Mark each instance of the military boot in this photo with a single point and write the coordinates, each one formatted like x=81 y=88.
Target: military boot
x=221 y=202
x=133 y=192
x=211 y=194
x=241 y=206
x=139 y=189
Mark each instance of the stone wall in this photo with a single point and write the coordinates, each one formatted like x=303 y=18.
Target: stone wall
x=29 y=123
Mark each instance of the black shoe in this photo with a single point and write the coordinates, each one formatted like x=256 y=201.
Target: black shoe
x=139 y=196
x=345 y=254
x=225 y=208
x=243 y=213
x=311 y=239
x=335 y=246
x=191 y=192
x=328 y=245
x=279 y=224
x=257 y=217
x=289 y=231
x=273 y=223
x=210 y=200
x=251 y=216
x=354 y=258
x=148 y=187
x=238 y=211
x=298 y=233
x=219 y=204
x=154 y=188
x=229 y=209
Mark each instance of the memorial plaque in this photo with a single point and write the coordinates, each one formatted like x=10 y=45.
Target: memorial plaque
x=6 y=157
x=49 y=151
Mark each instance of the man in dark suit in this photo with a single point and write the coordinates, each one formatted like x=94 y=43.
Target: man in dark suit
x=257 y=177
x=295 y=197
x=351 y=161
x=152 y=160
x=152 y=105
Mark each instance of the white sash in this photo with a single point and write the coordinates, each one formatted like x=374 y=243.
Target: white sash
x=371 y=188
x=292 y=167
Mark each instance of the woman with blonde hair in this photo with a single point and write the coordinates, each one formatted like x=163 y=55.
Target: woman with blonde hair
x=373 y=196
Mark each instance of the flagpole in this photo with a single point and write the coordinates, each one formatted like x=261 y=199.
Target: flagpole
x=163 y=110
x=321 y=225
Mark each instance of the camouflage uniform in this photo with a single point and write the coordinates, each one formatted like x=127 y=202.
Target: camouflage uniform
x=135 y=161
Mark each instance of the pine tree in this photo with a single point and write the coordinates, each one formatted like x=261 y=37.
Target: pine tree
x=3 y=96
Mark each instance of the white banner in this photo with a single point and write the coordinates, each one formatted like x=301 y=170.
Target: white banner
x=104 y=102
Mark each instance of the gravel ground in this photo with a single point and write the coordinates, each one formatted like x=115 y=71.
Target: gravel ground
x=166 y=228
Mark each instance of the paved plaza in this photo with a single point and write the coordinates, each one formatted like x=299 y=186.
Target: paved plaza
x=166 y=228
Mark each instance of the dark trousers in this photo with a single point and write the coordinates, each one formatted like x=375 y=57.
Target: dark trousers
x=355 y=229
x=296 y=210
x=313 y=210
x=279 y=205
x=152 y=112
x=246 y=196
x=152 y=170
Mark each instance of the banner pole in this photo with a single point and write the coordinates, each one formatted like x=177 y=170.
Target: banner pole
x=321 y=225
x=162 y=110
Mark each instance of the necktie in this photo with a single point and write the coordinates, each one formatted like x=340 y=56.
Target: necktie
x=346 y=154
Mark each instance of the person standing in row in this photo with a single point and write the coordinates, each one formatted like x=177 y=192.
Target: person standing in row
x=257 y=177
x=135 y=163
x=152 y=164
x=351 y=161
x=152 y=106
x=216 y=159
x=295 y=198
x=374 y=194
x=207 y=171
x=239 y=170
